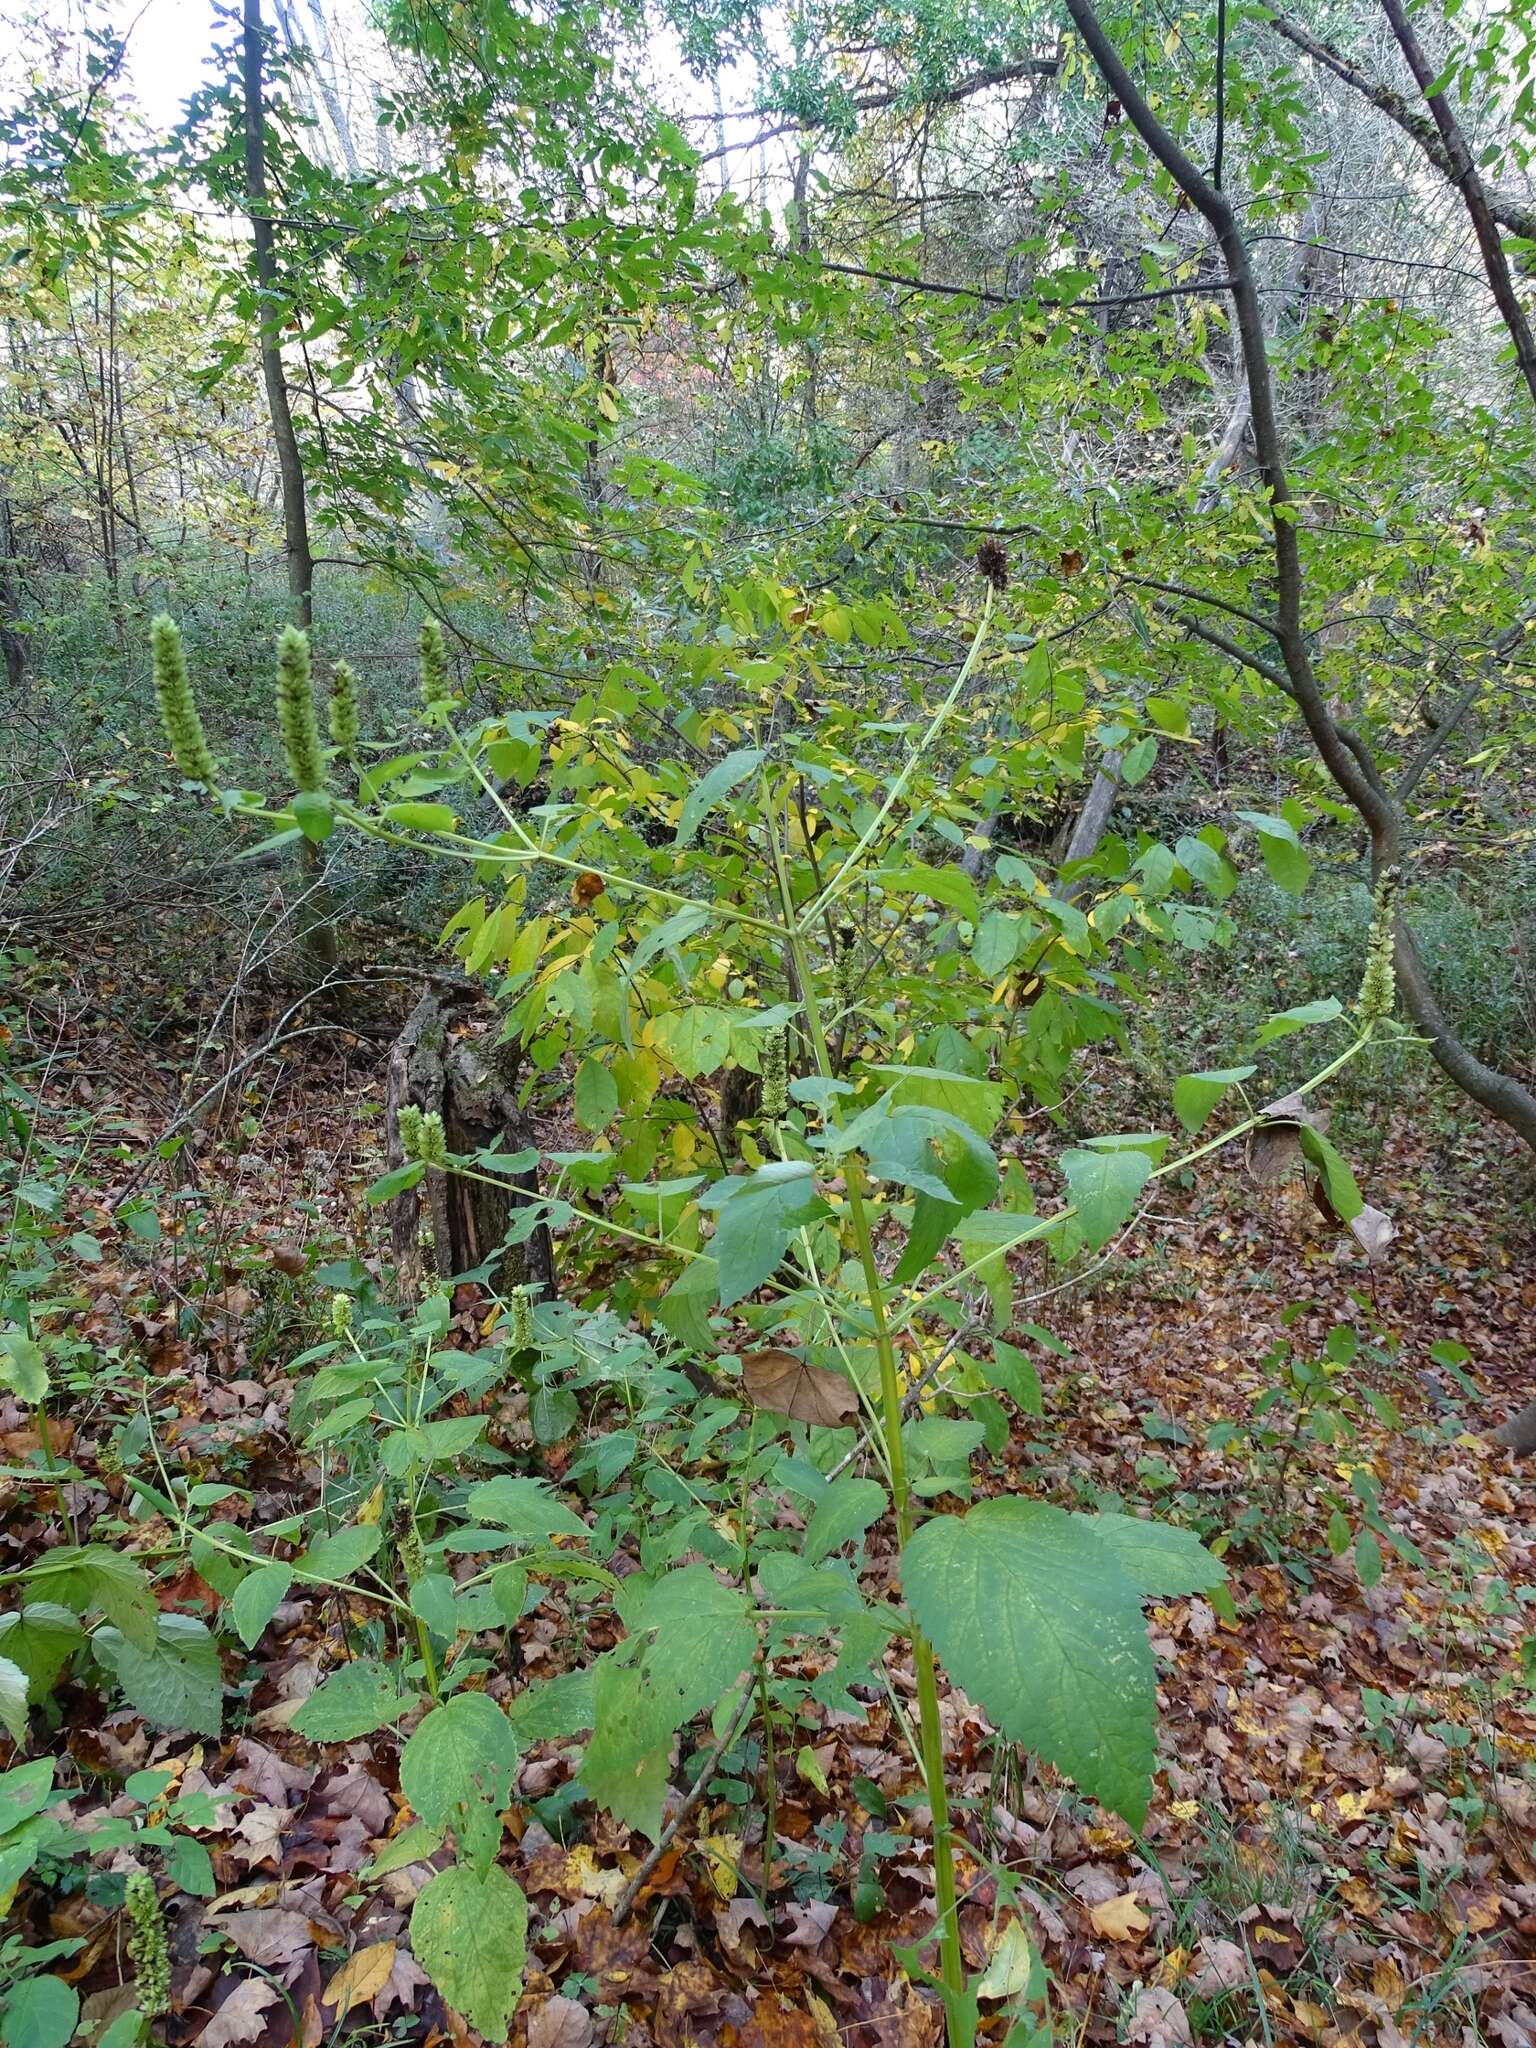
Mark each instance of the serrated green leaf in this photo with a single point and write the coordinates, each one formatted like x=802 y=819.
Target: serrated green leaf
x=40 y=2012
x=178 y=1684
x=847 y=1508
x=595 y=1097
x=97 y=1580
x=1159 y=1560
x=718 y=782
x=1103 y=1188
x=1034 y=1617
x=463 y=1754
x=469 y=1932
x=525 y=1508
x=340 y=1554
x=353 y=1701
x=41 y=1639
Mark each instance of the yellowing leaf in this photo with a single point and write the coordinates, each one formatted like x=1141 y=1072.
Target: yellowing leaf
x=361 y=1977
x=1120 y=1918
x=724 y=1854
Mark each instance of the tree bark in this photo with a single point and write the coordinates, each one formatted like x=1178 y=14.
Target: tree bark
x=290 y=469
x=1342 y=753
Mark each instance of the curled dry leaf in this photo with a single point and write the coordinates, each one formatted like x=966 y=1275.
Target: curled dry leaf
x=787 y=1385
x=1375 y=1230
x=1159 y=2021
x=1275 y=1146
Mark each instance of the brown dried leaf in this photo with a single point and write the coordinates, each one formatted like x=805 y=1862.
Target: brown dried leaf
x=1275 y=1146
x=787 y=1385
x=1375 y=1230
x=242 y=2016
x=559 y=2023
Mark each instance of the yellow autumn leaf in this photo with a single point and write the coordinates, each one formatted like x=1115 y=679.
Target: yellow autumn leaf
x=1120 y=1918
x=724 y=1854
x=361 y=1977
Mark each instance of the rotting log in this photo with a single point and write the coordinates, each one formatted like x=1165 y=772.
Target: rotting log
x=447 y=1060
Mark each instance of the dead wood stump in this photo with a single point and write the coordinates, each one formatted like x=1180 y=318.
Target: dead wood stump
x=447 y=1060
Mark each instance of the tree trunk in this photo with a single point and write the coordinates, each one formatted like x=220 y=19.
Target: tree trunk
x=290 y=470
x=448 y=1225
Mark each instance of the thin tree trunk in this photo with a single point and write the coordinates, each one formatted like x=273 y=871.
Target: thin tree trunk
x=301 y=568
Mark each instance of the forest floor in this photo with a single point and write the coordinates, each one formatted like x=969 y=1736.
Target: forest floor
x=1342 y=1847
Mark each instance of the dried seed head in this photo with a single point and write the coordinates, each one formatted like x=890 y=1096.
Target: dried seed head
x=992 y=563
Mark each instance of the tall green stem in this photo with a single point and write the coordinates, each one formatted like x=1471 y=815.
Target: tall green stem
x=929 y=1725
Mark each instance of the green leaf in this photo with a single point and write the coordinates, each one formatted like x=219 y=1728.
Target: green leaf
x=690 y=1639
x=1158 y=1559
x=844 y=1511
x=13 y=1700
x=190 y=1867
x=1196 y=1095
x=176 y=1685
x=1344 y=1196
x=1368 y=1558
x=1103 y=1188
x=974 y=1102
x=1011 y=1373
x=313 y=814
x=1289 y=867
x=25 y=1790
x=356 y=1700
x=469 y=1932
x=707 y=792
x=257 y=1598
x=526 y=1507
x=340 y=1554
x=697 y=1040
x=596 y=1096
x=40 y=2012
x=758 y=1215
x=419 y=817
x=463 y=1754
x=390 y=1184
x=41 y=1639
x=413 y=1844
x=684 y=1309
x=432 y=1602
x=1286 y=1021
x=952 y=886
x=95 y=1579
x=1033 y=1615
x=23 y=1367
x=553 y=1708
x=996 y=942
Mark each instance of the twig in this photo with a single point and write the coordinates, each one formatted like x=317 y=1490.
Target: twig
x=668 y=1834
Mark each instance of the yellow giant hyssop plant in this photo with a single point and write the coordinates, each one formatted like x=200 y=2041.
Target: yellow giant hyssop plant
x=770 y=929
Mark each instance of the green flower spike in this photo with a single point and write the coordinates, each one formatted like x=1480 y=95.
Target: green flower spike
x=296 y=711
x=178 y=707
